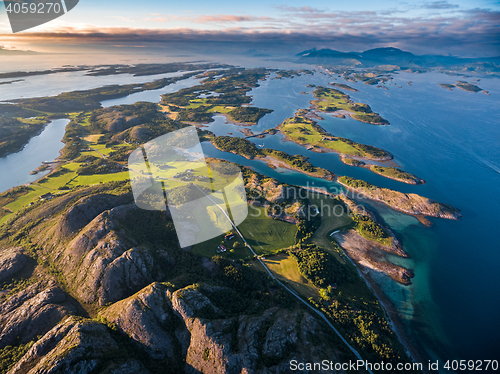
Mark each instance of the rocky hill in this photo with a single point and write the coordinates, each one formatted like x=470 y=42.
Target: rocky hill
x=92 y=284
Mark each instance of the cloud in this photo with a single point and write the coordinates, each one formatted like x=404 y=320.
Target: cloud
x=465 y=32
x=220 y=18
x=439 y=5
x=304 y=9
x=217 y=18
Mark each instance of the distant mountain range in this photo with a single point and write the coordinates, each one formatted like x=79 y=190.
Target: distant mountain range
x=396 y=57
x=14 y=52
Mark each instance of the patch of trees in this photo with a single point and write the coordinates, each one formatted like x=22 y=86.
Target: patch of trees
x=368 y=226
x=11 y=354
x=71 y=149
x=370 y=118
x=297 y=161
x=355 y=183
x=97 y=166
x=320 y=267
x=120 y=154
x=248 y=114
x=14 y=134
x=198 y=114
x=250 y=284
x=307 y=227
x=183 y=194
x=236 y=145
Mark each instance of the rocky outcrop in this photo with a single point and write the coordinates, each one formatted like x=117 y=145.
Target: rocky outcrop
x=75 y=346
x=12 y=260
x=102 y=264
x=79 y=215
x=32 y=312
x=368 y=255
x=407 y=203
x=395 y=246
x=162 y=323
x=148 y=319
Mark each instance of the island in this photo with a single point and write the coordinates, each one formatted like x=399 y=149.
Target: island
x=463 y=85
x=301 y=129
x=333 y=101
x=272 y=157
x=407 y=203
x=343 y=86
x=396 y=174
x=351 y=161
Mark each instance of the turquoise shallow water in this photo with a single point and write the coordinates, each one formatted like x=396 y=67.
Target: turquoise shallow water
x=451 y=140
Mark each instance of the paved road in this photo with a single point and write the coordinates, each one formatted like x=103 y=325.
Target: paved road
x=283 y=285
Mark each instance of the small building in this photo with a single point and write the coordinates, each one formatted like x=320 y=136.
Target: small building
x=46 y=196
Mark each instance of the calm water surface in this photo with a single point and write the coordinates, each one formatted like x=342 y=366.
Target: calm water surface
x=450 y=139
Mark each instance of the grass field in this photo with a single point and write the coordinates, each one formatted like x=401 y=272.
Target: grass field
x=264 y=234
x=395 y=173
x=285 y=268
x=331 y=100
x=306 y=132
x=87 y=180
x=334 y=217
x=208 y=248
x=303 y=131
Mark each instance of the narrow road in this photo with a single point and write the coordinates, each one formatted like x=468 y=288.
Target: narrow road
x=319 y=313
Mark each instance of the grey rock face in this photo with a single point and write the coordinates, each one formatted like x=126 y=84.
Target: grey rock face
x=32 y=312
x=74 y=346
x=12 y=260
x=79 y=215
x=159 y=320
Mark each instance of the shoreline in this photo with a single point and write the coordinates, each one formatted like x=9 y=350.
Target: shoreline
x=271 y=161
x=31 y=137
x=389 y=308
x=53 y=163
x=452 y=217
x=314 y=148
x=274 y=162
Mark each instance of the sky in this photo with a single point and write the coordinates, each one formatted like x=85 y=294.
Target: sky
x=462 y=27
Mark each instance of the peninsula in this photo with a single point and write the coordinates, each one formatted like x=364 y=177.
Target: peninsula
x=407 y=203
